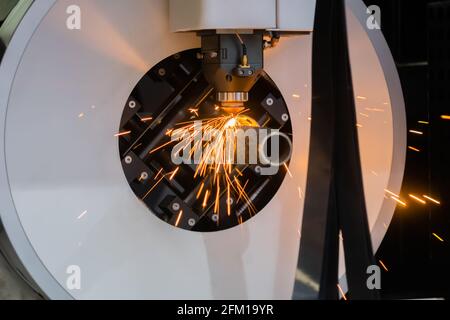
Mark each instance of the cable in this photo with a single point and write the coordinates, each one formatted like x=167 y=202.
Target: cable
x=244 y=58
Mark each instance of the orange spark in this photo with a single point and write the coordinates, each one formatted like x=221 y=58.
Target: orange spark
x=342 y=292
x=179 y=218
x=399 y=201
x=199 y=193
x=120 y=134
x=391 y=193
x=414 y=149
x=384 y=266
x=174 y=173
x=417 y=199
x=205 y=199
x=287 y=170
x=146 y=119
x=432 y=199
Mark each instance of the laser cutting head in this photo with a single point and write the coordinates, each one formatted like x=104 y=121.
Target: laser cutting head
x=232 y=64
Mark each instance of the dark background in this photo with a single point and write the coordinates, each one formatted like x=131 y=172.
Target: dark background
x=418 y=33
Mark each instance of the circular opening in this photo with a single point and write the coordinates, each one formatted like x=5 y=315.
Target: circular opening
x=196 y=165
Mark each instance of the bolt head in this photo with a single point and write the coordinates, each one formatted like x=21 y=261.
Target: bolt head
x=270 y=102
x=162 y=72
x=144 y=175
x=191 y=222
x=128 y=160
x=176 y=206
x=285 y=117
x=132 y=104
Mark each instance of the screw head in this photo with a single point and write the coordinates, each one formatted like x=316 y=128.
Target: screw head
x=176 y=206
x=285 y=117
x=144 y=175
x=258 y=169
x=132 y=104
x=230 y=201
x=128 y=160
x=162 y=72
x=215 y=218
x=191 y=222
x=270 y=102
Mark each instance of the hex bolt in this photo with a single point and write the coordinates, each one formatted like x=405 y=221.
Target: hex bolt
x=176 y=206
x=128 y=160
x=270 y=102
x=191 y=222
x=285 y=117
x=132 y=104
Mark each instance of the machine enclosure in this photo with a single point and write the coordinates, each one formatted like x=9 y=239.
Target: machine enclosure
x=281 y=15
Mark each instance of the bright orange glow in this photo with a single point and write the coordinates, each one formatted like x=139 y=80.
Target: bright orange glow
x=432 y=199
x=391 y=193
x=445 y=117
x=120 y=134
x=416 y=198
x=404 y=204
x=414 y=149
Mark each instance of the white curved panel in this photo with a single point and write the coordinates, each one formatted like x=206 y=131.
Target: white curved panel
x=71 y=195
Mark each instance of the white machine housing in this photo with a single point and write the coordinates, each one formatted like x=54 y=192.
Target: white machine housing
x=280 y=15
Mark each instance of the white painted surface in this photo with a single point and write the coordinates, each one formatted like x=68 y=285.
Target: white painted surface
x=219 y=14
x=295 y=15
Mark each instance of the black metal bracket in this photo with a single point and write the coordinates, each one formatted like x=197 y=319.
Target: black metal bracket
x=335 y=198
